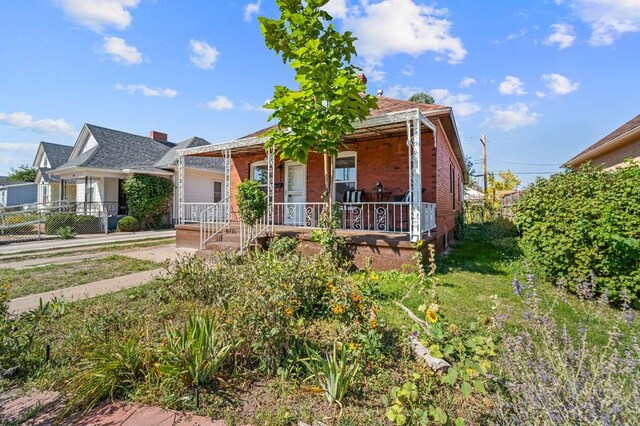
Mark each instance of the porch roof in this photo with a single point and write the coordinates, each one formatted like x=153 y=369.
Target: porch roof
x=379 y=125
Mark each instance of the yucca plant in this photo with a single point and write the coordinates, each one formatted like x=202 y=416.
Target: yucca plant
x=333 y=373
x=196 y=352
x=109 y=370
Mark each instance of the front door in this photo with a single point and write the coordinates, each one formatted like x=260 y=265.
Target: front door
x=295 y=194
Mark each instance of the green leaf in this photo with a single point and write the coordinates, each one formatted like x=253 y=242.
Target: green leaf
x=477 y=384
x=466 y=389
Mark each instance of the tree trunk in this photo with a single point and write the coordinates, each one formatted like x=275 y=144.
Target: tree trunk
x=329 y=165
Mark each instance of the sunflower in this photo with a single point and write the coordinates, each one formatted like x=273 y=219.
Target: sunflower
x=337 y=309
x=432 y=316
x=288 y=311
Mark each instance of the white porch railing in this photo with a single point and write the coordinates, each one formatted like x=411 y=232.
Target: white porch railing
x=393 y=217
x=193 y=211
x=213 y=220
x=249 y=234
x=428 y=217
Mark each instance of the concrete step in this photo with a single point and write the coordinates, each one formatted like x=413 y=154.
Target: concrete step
x=223 y=246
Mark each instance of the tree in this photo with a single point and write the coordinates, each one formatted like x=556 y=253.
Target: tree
x=422 y=97
x=330 y=95
x=505 y=182
x=23 y=173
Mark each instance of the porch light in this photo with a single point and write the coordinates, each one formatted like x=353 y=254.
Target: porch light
x=379 y=188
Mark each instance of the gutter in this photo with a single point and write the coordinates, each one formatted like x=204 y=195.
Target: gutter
x=623 y=138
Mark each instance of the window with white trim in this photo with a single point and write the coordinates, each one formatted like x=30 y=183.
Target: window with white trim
x=345 y=174
x=259 y=173
x=217 y=191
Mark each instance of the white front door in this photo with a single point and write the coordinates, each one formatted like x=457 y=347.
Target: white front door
x=295 y=194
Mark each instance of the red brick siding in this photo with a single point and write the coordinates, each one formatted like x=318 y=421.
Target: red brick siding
x=383 y=160
x=445 y=213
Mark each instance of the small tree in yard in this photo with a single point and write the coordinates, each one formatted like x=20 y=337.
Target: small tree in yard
x=330 y=95
x=23 y=173
x=147 y=197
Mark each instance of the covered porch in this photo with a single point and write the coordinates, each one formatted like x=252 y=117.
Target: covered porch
x=380 y=188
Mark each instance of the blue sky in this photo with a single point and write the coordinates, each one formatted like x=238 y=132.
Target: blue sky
x=543 y=79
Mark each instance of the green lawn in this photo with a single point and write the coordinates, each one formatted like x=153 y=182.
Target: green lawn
x=475 y=271
x=40 y=279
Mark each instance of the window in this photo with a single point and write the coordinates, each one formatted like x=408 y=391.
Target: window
x=345 y=174
x=45 y=193
x=217 y=191
x=259 y=173
x=88 y=189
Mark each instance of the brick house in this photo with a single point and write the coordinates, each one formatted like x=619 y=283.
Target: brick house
x=612 y=150
x=398 y=179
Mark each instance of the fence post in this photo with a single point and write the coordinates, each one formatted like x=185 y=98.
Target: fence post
x=39 y=223
x=106 y=220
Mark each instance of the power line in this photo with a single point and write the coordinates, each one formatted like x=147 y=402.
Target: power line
x=526 y=164
x=527 y=173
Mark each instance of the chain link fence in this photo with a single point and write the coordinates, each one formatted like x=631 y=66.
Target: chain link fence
x=51 y=220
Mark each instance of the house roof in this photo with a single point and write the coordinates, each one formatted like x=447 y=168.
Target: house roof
x=116 y=150
x=385 y=106
x=170 y=158
x=387 y=119
x=56 y=154
x=608 y=142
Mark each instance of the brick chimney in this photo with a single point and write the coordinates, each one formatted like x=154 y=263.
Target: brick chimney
x=158 y=136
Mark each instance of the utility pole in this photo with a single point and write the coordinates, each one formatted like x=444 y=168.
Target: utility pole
x=483 y=140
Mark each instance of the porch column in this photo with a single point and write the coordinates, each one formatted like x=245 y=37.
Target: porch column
x=415 y=178
x=270 y=187
x=180 y=189
x=227 y=183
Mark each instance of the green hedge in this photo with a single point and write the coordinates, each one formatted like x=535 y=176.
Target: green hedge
x=128 y=224
x=583 y=224
x=81 y=224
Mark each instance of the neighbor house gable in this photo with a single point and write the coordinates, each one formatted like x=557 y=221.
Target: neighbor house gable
x=612 y=149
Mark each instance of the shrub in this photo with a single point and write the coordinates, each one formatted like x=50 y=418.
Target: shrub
x=252 y=203
x=583 y=223
x=128 y=224
x=81 y=224
x=66 y=233
x=147 y=198
x=18 y=224
x=281 y=246
x=552 y=377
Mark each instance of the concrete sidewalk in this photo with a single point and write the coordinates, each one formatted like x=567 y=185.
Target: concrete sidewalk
x=84 y=291
x=157 y=254
x=84 y=240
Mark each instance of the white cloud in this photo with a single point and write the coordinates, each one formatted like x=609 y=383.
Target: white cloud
x=18 y=146
x=563 y=35
x=609 y=19
x=510 y=117
x=120 y=51
x=220 y=103
x=512 y=86
x=336 y=8
x=541 y=95
x=23 y=120
x=146 y=91
x=402 y=92
x=251 y=9
x=392 y=27
x=467 y=82
x=204 y=56
x=250 y=107
x=461 y=103
x=559 y=84
x=98 y=14
x=408 y=70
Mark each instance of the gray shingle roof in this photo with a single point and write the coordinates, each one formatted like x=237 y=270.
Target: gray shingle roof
x=56 y=154
x=170 y=158
x=118 y=150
